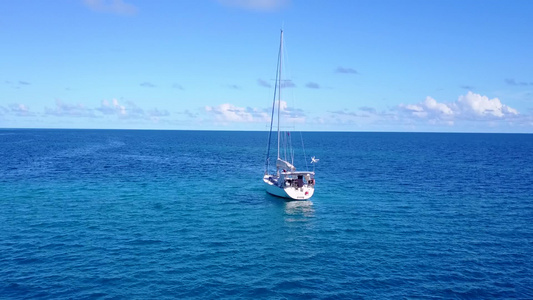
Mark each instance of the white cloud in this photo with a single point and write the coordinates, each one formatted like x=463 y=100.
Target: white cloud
x=20 y=110
x=258 y=5
x=469 y=112
x=440 y=108
x=230 y=113
x=481 y=106
x=467 y=107
x=292 y=115
x=429 y=109
x=227 y=113
x=415 y=110
x=283 y=106
x=111 y=108
x=16 y=109
x=129 y=110
x=63 y=109
x=111 y=6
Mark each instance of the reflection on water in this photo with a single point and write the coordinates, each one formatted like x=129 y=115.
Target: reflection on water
x=299 y=211
x=292 y=212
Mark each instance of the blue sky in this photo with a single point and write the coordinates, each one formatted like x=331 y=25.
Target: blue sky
x=451 y=66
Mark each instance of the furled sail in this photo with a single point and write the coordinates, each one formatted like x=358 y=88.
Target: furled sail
x=285 y=165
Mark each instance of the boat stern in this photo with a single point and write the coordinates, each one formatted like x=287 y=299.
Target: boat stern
x=301 y=193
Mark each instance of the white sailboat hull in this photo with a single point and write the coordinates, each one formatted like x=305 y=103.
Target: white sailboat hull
x=289 y=192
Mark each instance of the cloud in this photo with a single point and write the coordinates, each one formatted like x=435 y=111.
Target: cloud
x=291 y=114
x=147 y=84
x=368 y=109
x=481 y=106
x=468 y=108
x=111 y=6
x=512 y=81
x=364 y=118
x=345 y=112
x=112 y=108
x=284 y=83
x=230 y=113
x=17 y=84
x=312 y=85
x=129 y=110
x=187 y=113
x=63 y=109
x=343 y=70
x=17 y=109
x=440 y=108
x=157 y=113
x=471 y=107
x=256 y=5
x=263 y=83
x=133 y=111
x=367 y=113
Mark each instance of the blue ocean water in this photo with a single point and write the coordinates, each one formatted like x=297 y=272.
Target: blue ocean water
x=115 y=214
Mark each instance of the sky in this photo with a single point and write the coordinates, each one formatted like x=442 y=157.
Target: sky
x=350 y=65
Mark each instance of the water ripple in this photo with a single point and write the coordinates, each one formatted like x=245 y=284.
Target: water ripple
x=148 y=214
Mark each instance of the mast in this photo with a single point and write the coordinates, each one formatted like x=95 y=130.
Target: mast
x=279 y=82
x=276 y=87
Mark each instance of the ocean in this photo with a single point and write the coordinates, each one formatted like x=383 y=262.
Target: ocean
x=129 y=214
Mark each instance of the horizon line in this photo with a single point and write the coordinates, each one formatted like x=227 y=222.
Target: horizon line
x=239 y=130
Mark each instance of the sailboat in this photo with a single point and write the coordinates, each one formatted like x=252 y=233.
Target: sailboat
x=285 y=181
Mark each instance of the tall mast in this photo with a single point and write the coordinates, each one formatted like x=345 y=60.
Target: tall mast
x=279 y=82
x=276 y=87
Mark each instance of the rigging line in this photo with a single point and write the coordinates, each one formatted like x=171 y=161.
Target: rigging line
x=289 y=90
x=303 y=148
x=291 y=148
x=288 y=93
x=279 y=80
x=278 y=71
x=284 y=143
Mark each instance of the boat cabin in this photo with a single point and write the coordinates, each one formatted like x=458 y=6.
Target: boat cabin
x=297 y=179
